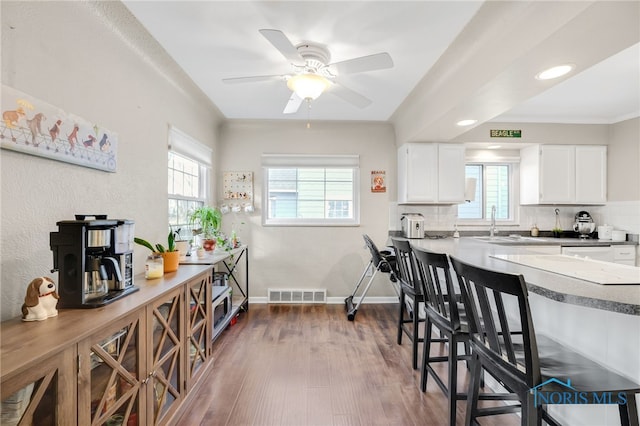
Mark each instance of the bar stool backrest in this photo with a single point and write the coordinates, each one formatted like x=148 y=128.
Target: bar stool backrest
x=484 y=293
x=406 y=264
x=439 y=289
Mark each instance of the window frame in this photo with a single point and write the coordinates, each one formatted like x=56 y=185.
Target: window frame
x=514 y=192
x=188 y=148
x=299 y=161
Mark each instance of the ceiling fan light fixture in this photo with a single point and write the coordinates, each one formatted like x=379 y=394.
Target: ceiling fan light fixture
x=308 y=86
x=554 y=72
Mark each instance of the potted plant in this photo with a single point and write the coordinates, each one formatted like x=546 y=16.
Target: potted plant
x=557 y=232
x=170 y=255
x=206 y=220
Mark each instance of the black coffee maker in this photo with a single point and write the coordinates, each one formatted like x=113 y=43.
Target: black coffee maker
x=95 y=267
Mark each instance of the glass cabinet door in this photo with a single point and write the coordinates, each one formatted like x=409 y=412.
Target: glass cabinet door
x=40 y=395
x=110 y=371
x=165 y=385
x=199 y=312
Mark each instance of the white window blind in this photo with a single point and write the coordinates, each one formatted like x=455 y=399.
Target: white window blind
x=311 y=190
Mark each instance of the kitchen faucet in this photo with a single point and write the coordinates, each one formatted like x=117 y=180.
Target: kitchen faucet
x=492 y=229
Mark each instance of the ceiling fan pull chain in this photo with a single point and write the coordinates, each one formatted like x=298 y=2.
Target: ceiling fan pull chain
x=308 y=113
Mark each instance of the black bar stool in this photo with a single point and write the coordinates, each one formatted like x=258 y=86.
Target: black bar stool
x=442 y=308
x=411 y=288
x=534 y=367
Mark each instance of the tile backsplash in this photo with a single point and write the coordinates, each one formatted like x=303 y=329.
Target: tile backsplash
x=624 y=215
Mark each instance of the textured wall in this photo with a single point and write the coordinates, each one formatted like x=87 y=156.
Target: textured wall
x=96 y=61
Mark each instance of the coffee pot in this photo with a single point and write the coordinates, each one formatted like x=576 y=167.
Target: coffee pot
x=97 y=278
x=584 y=224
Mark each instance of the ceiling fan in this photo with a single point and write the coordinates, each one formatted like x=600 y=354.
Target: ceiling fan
x=313 y=73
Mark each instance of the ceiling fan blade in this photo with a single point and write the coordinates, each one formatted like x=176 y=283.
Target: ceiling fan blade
x=378 y=61
x=252 y=79
x=349 y=95
x=284 y=45
x=293 y=105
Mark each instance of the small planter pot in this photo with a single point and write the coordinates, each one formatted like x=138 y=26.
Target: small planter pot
x=171 y=261
x=209 y=244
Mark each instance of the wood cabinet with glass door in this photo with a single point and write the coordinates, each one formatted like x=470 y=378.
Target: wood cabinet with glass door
x=36 y=396
x=109 y=374
x=198 y=342
x=132 y=362
x=165 y=386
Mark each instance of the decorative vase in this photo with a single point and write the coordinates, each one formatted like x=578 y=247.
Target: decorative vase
x=171 y=261
x=209 y=244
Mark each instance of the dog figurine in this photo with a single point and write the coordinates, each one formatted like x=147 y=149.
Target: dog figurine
x=40 y=301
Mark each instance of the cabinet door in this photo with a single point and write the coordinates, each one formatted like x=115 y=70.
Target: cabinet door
x=557 y=174
x=591 y=174
x=42 y=395
x=165 y=346
x=109 y=373
x=199 y=327
x=418 y=173
x=451 y=173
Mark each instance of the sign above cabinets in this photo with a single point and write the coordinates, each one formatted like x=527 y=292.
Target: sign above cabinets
x=505 y=133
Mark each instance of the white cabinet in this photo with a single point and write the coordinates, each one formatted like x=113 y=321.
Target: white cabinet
x=591 y=174
x=624 y=254
x=563 y=174
x=431 y=173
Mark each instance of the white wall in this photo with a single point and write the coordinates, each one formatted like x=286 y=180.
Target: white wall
x=93 y=60
x=311 y=257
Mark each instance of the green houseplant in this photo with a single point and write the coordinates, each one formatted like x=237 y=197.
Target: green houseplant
x=170 y=254
x=206 y=220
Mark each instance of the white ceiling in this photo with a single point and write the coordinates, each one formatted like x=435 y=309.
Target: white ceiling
x=213 y=40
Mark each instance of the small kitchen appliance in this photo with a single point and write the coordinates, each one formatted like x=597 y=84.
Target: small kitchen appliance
x=605 y=232
x=584 y=224
x=94 y=258
x=412 y=225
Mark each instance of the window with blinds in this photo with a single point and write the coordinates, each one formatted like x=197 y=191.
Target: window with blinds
x=493 y=188
x=310 y=190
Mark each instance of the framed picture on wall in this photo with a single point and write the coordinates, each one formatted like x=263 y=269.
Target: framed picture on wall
x=378 y=181
x=32 y=126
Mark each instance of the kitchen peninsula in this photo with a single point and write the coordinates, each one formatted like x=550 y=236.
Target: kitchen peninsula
x=600 y=321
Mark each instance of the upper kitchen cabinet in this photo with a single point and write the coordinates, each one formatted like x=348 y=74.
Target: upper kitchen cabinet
x=430 y=173
x=563 y=174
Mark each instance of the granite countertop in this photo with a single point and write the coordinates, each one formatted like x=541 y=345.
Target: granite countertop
x=616 y=298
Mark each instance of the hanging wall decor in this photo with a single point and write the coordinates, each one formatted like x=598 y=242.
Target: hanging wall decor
x=378 y=181
x=34 y=127
x=238 y=192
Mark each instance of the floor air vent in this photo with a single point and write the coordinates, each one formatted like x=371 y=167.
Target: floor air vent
x=289 y=295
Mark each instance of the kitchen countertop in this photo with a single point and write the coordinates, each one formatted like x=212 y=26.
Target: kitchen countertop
x=616 y=298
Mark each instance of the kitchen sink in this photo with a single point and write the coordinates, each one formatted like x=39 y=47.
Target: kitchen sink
x=508 y=238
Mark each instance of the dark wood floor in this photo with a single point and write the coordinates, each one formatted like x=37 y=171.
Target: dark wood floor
x=307 y=365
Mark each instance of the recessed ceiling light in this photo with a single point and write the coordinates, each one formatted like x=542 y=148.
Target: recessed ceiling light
x=554 y=72
x=494 y=146
x=466 y=122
